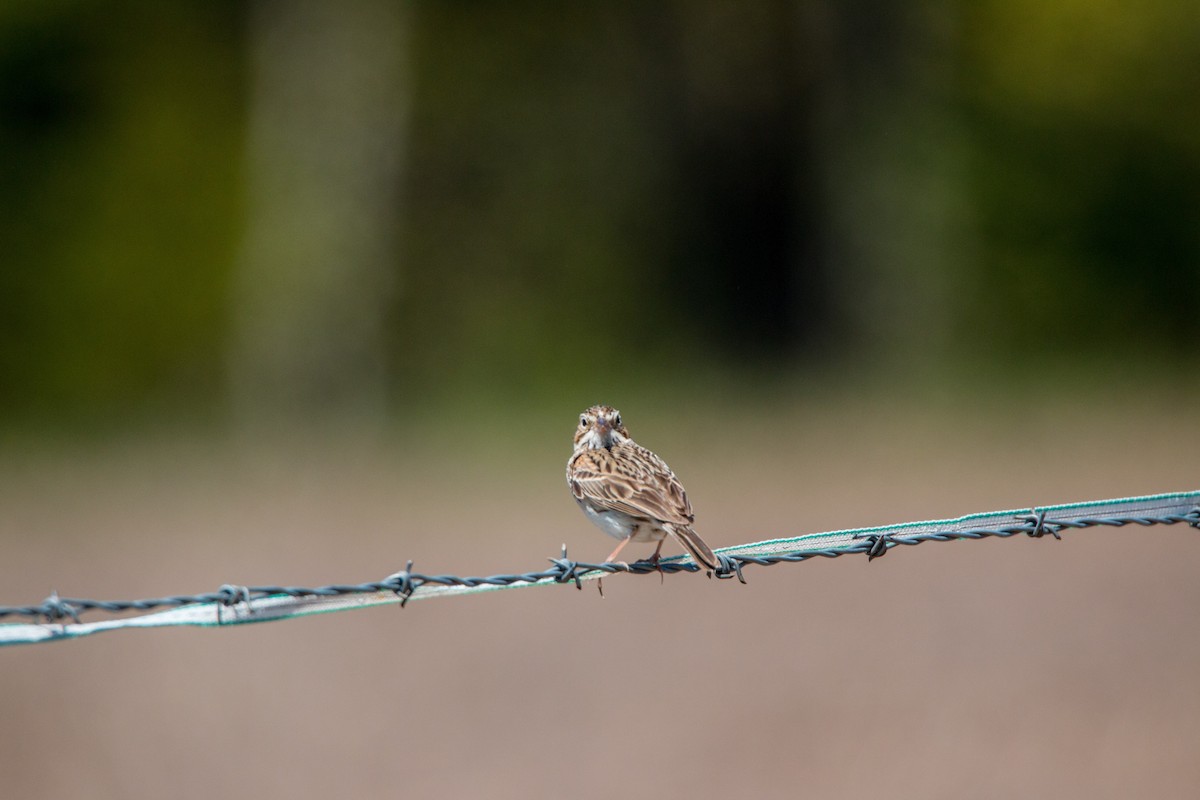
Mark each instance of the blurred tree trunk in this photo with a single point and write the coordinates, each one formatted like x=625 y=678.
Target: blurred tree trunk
x=326 y=131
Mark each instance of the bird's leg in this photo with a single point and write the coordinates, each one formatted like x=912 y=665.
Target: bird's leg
x=662 y=576
x=611 y=556
x=620 y=547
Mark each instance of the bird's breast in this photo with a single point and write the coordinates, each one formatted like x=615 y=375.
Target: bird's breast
x=620 y=525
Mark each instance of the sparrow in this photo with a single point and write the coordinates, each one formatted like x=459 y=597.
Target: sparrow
x=629 y=492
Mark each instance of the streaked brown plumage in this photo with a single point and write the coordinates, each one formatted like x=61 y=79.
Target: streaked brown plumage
x=627 y=491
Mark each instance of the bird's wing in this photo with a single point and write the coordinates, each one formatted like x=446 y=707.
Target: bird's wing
x=631 y=479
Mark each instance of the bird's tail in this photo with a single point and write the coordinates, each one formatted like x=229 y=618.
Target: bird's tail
x=699 y=550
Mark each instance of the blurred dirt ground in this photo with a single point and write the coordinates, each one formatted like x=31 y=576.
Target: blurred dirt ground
x=1015 y=668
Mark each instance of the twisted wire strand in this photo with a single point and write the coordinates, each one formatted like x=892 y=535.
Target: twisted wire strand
x=56 y=609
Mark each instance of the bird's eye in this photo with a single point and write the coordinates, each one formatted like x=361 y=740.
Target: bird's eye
x=583 y=421
x=616 y=420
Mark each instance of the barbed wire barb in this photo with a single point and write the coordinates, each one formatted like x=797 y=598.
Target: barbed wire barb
x=568 y=569
x=55 y=609
x=228 y=596
x=401 y=583
x=729 y=568
x=1037 y=519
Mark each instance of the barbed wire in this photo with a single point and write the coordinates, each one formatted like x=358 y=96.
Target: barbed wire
x=873 y=542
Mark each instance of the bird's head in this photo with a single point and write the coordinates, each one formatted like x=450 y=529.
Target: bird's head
x=600 y=426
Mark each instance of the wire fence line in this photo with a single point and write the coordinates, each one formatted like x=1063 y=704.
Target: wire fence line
x=59 y=617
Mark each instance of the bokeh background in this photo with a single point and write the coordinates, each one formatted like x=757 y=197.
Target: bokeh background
x=293 y=292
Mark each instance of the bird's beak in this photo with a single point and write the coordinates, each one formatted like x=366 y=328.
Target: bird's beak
x=604 y=432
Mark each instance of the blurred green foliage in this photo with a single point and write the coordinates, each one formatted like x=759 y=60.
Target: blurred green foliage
x=119 y=128
x=1086 y=159
x=641 y=191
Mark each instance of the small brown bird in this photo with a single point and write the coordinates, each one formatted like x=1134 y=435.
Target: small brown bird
x=627 y=491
